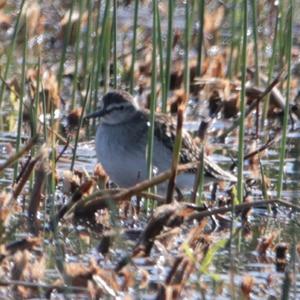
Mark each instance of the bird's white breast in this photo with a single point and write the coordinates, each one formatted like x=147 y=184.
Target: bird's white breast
x=125 y=163
x=122 y=153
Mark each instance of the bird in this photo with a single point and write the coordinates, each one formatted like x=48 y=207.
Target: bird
x=121 y=144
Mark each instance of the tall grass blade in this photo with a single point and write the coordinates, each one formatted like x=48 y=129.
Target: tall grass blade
x=233 y=39
x=93 y=72
x=115 y=61
x=189 y=7
x=176 y=152
x=133 y=51
x=77 y=56
x=281 y=35
x=288 y=55
x=201 y=10
x=161 y=56
x=11 y=51
x=88 y=42
x=271 y=67
x=80 y=123
x=169 y=55
x=240 y=187
x=65 y=45
x=36 y=98
x=101 y=63
x=255 y=14
x=107 y=39
x=150 y=143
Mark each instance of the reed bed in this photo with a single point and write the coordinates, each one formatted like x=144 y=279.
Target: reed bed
x=229 y=69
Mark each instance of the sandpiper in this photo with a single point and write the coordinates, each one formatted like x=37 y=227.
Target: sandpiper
x=121 y=144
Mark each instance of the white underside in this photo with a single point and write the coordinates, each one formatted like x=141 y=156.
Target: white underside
x=125 y=160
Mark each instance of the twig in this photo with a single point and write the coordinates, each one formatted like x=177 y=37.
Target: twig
x=61 y=138
x=63 y=150
x=252 y=105
x=41 y=286
x=240 y=207
x=23 y=179
x=90 y=204
x=24 y=167
x=16 y=156
x=264 y=93
x=152 y=196
x=267 y=145
x=9 y=87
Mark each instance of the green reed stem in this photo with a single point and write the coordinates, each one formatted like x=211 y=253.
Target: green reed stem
x=10 y=52
x=188 y=21
x=240 y=183
x=21 y=99
x=201 y=10
x=87 y=41
x=115 y=61
x=37 y=96
x=270 y=70
x=81 y=122
x=176 y=153
x=238 y=38
x=65 y=45
x=289 y=41
x=133 y=51
x=107 y=50
x=196 y=196
x=34 y=118
x=169 y=55
x=264 y=188
x=153 y=97
x=240 y=186
x=161 y=55
x=201 y=176
x=94 y=75
x=101 y=50
x=254 y=30
x=77 y=49
x=52 y=184
x=256 y=64
x=44 y=114
x=281 y=37
x=233 y=39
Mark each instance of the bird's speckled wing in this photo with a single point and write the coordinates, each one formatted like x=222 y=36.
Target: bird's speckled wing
x=165 y=130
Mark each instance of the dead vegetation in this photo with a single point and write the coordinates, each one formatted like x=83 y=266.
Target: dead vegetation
x=100 y=241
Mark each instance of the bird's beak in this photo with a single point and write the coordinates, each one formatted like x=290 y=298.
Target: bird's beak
x=96 y=114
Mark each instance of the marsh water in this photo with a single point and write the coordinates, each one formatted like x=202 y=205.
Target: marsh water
x=231 y=264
